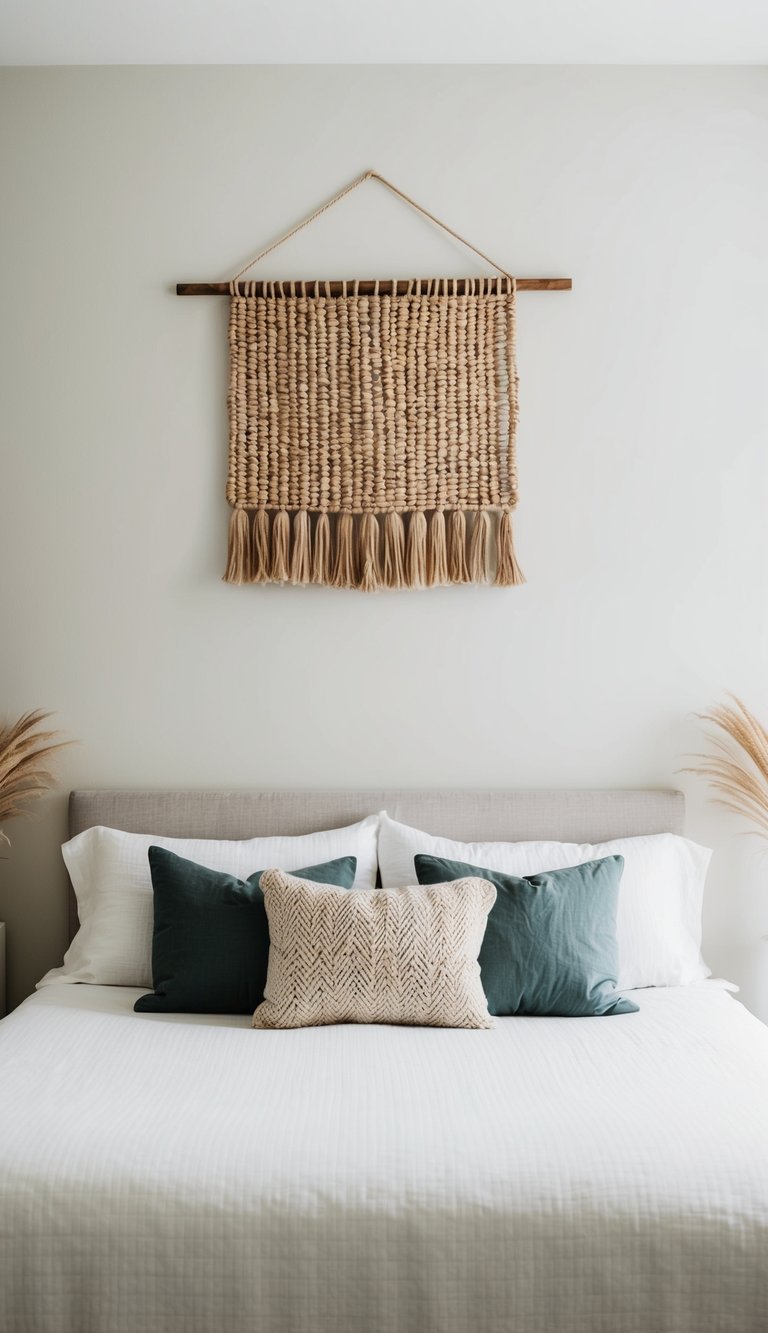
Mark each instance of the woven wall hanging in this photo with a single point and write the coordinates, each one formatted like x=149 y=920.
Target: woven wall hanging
x=372 y=428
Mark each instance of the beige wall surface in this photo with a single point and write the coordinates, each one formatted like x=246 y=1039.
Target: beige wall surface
x=643 y=441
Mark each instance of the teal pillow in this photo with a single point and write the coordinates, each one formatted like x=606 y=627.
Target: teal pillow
x=550 y=943
x=210 y=946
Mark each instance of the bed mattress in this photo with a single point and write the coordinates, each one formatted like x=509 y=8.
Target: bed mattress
x=175 y=1172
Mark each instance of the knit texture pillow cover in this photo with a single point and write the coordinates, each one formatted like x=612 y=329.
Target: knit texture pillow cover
x=390 y=956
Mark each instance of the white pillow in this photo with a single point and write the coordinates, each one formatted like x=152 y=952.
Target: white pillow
x=110 y=874
x=660 y=898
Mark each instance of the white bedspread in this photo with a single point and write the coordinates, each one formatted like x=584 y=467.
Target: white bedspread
x=167 y=1173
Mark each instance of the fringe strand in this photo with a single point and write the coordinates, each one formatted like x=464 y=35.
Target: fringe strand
x=260 y=547
x=416 y=551
x=370 y=566
x=344 y=570
x=239 y=553
x=394 y=550
x=437 y=555
x=322 y=563
x=508 y=572
x=478 y=547
x=301 y=558
x=281 y=544
x=458 y=571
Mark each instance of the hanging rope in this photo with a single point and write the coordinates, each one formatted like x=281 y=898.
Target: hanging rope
x=342 y=194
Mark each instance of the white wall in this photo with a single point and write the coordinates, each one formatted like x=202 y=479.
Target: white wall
x=643 y=458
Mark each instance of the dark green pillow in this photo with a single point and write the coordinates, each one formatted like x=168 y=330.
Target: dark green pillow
x=550 y=943
x=210 y=946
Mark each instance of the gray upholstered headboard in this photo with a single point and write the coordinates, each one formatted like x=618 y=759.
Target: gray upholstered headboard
x=569 y=816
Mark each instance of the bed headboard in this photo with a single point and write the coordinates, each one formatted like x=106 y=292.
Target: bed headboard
x=469 y=814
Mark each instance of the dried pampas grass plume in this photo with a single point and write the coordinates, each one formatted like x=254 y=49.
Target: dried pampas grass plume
x=24 y=752
x=738 y=769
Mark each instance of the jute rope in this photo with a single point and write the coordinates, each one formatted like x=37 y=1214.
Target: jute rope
x=342 y=194
x=372 y=438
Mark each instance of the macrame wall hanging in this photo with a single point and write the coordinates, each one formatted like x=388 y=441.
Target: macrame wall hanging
x=372 y=426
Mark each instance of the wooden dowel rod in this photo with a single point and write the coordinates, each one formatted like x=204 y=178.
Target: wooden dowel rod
x=365 y=287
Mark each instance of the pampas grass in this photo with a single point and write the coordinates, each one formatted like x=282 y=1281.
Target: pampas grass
x=24 y=752
x=738 y=769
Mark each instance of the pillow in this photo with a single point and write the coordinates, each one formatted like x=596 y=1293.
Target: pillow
x=394 y=956
x=210 y=945
x=550 y=942
x=658 y=925
x=111 y=878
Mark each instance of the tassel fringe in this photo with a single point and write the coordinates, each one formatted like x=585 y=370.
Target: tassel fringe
x=261 y=563
x=301 y=559
x=416 y=551
x=370 y=566
x=437 y=554
x=345 y=571
x=478 y=547
x=508 y=572
x=239 y=562
x=359 y=551
x=322 y=569
x=394 y=550
x=458 y=571
x=281 y=542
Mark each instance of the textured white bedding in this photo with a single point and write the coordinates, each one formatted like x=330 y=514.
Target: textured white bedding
x=162 y=1172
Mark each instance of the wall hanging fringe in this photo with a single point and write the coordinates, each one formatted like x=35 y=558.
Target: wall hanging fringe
x=372 y=436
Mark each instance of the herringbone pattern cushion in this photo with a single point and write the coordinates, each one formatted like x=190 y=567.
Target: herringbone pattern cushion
x=374 y=956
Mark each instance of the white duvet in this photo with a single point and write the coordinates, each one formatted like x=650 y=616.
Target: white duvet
x=167 y=1173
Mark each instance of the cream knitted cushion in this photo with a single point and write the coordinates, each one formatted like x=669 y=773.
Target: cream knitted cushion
x=374 y=956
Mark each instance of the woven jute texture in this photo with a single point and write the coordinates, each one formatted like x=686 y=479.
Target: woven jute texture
x=372 y=437
x=383 y=956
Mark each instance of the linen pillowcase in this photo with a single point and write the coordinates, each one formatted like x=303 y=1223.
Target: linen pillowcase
x=210 y=945
x=395 y=956
x=110 y=874
x=658 y=925
x=550 y=943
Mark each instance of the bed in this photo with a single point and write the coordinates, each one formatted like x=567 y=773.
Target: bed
x=163 y=1172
